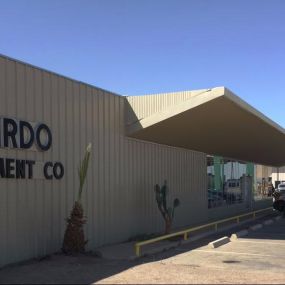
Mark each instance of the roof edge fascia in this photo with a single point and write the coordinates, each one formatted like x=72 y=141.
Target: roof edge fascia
x=250 y=109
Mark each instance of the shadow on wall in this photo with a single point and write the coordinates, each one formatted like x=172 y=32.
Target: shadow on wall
x=131 y=117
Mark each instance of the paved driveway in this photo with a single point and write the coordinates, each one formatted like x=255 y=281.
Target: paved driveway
x=262 y=250
x=258 y=258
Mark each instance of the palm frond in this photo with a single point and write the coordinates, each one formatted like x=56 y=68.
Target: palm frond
x=82 y=170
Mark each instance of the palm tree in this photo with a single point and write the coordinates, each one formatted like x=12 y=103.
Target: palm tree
x=74 y=240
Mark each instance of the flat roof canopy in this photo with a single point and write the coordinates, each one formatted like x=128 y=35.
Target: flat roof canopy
x=216 y=122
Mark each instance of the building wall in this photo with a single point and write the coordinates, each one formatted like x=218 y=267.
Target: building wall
x=278 y=174
x=118 y=198
x=146 y=105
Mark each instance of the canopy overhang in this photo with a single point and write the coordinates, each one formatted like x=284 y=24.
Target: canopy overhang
x=216 y=122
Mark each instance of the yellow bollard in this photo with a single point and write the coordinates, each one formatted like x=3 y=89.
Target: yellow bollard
x=137 y=250
x=216 y=227
x=237 y=219
x=185 y=236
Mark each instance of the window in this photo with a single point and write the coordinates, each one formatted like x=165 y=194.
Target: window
x=232 y=182
x=229 y=181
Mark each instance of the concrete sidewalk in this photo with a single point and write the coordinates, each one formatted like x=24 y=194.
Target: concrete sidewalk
x=126 y=251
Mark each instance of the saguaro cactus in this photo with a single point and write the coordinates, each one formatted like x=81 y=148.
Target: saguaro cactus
x=161 y=200
x=74 y=240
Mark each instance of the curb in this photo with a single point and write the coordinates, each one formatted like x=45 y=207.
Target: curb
x=268 y=222
x=256 y=227
x=132 y=258
x=242 y=233
x=159 y=249
x=213 y=244
x=196 y=237
x=219 y=242
x=239 y=234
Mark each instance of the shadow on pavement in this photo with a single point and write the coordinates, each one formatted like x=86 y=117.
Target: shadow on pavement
x=87 y=269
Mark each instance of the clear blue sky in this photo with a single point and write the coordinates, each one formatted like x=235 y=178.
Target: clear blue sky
x=149 y=46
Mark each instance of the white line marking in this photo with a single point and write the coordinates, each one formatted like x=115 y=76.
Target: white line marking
x=262 y=242
x=232 y=252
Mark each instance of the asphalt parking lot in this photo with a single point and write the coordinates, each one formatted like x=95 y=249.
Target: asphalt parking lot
x=258 y=258
x=262 y=250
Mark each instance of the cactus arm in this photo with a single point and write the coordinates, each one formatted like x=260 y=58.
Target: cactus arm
x=163 y=193
x=166 y=212
x=160 y=201
x=176 y=203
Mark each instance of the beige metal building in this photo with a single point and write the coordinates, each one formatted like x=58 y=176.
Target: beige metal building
x=137 y=141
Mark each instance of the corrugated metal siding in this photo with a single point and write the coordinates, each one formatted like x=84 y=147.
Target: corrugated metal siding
x=118 y=199
x=146 y=105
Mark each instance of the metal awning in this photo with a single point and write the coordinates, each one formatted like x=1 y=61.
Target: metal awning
x=216 y=122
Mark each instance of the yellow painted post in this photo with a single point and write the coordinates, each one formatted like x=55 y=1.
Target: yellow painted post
x=138 y=245
x=137 y=250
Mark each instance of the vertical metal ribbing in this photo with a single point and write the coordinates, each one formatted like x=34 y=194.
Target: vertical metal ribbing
x=119 y=188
